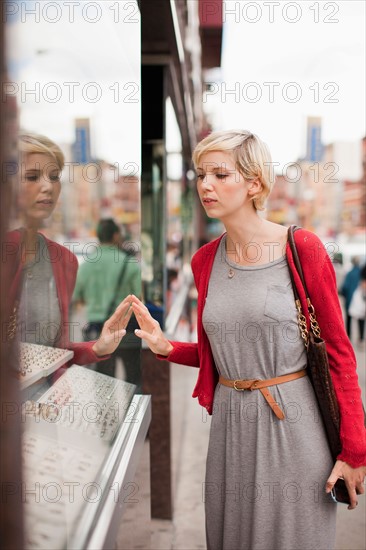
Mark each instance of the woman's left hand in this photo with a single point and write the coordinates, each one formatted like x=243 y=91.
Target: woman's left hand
x=114 y=329
x=353 y=477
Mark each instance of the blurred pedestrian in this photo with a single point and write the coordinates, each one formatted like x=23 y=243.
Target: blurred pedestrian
x=100 y=285
x=348 y=288
x=269 y=469
x=357 y=308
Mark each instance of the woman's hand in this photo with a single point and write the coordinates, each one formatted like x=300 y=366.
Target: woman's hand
x=114 y=329
x=353 y=477
x=150 y=329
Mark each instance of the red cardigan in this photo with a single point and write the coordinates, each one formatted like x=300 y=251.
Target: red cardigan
x=320 y=281
x=64 y=266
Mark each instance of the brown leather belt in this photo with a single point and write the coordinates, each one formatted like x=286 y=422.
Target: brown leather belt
x=261 y=385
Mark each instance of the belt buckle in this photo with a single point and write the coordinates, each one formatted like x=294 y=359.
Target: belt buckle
x=235 y=388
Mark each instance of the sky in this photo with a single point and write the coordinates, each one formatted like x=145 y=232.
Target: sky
x=318 y=60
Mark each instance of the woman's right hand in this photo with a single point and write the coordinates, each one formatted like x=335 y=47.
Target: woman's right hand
x=150 y=330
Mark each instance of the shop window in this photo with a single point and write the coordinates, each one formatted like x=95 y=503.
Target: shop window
x=73 y=88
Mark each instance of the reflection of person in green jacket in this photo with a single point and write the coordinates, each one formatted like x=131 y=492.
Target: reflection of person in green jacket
x=349 y=286
x=101 y=282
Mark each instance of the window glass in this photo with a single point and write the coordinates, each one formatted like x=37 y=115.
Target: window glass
x=73 y=249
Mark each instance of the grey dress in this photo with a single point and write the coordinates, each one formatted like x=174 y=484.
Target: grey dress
x=39 y=309
x=265 y=477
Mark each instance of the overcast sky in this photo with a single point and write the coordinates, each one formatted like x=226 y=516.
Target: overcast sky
x=325 y=60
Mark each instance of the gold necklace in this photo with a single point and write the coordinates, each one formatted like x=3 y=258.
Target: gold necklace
x=231 y=271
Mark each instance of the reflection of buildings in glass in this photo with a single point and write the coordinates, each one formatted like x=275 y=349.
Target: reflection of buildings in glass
x=81 y=147
x=93 y=190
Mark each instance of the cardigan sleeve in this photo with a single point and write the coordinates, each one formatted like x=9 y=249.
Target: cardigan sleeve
x=84 y=354
x=183 y=353
x=320 y=279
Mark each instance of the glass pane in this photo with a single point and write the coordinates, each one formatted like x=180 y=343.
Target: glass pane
x=74 y=86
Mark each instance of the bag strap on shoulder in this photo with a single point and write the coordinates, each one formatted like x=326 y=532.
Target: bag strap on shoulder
x=314 y=326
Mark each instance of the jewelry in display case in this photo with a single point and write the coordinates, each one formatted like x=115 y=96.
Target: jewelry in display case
x=37 y=361
x=88 y=401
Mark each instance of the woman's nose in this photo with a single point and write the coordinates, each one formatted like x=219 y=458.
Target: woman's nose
x=207 y=181
x=46 y=183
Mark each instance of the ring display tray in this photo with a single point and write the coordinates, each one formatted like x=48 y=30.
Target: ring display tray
x=37 y=361
x=88 y=402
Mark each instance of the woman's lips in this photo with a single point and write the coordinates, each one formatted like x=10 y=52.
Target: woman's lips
x=45 y=202
x=209 y=202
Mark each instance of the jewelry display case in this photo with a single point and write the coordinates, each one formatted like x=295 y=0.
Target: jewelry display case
x=82 y=436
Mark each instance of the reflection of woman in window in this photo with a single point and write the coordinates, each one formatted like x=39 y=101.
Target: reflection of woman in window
x=267 y=466
x=41 y=272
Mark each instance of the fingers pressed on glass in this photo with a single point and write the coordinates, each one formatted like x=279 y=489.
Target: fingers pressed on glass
x=140 y=309
x=135 y=301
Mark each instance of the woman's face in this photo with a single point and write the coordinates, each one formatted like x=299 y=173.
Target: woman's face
x=222 y=189
x=40 y=187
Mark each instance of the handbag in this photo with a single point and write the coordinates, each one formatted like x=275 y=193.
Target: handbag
x=318 y=369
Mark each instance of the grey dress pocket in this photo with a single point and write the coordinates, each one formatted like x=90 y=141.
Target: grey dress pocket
x=280 y=303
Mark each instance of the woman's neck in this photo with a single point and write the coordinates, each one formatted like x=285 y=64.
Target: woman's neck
x=256 y=241
x=241 y=232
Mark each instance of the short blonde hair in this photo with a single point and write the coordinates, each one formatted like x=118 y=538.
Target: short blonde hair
x=29 y=143
x=251 y=156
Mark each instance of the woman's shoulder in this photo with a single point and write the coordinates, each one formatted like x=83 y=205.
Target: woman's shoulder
x=311 y=250
x=305 y=236
x=13 y=237
x=307 y=240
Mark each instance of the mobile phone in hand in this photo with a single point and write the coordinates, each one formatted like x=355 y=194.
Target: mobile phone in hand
x=340 y=493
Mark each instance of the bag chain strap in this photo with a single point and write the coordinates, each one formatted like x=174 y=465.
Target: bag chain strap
x=301 y=319
x=13 y=323
x=313 y=320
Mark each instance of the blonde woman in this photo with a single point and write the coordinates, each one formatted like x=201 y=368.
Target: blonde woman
x=41 y=272
x=269 y=469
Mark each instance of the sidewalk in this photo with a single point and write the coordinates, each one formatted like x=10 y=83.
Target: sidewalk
x=190 y=433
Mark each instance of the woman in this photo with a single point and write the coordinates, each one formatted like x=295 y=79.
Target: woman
x=269 y=469
x=41 y=273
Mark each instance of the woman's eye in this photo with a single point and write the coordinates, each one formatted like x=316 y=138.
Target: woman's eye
x=31 y=178
x=200 y=176
x=55 y=178
x=221 y=176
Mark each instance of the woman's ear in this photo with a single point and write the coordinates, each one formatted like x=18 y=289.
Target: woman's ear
x=255 y=187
